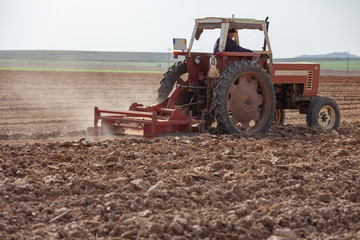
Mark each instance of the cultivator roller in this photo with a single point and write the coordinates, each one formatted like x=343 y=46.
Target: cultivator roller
x=154 y=120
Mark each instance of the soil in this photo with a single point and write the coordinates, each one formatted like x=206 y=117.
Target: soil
x=56 y=182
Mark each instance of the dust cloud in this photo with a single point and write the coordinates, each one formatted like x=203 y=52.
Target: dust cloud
x=63 y=102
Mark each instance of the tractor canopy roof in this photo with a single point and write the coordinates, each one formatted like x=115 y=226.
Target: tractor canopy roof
x=226 y=23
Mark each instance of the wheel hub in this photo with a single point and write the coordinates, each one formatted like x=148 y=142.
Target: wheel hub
x=244 y=101
x=326 y=117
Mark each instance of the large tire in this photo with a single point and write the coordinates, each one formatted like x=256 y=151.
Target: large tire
x=244 y=99
x=323 y=113
x=173 y=75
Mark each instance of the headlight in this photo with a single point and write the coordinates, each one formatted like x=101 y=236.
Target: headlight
x=197 y=60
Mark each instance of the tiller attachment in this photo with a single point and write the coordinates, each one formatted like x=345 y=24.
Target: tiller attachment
x=164 y=118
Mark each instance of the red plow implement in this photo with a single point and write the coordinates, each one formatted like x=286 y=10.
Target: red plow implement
x=151 y=120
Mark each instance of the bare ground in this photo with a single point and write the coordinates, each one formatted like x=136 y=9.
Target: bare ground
x=56 y=182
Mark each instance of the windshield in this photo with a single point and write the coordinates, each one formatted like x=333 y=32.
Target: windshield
x=250 y=39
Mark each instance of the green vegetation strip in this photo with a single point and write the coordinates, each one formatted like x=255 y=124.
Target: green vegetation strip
x=353 y=65
x=75 y=70
x=85 y=63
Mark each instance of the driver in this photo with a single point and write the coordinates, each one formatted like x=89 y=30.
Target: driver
x=231 y=45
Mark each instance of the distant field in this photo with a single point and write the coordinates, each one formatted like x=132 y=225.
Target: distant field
x=354 y=65
x=132 y=66
x=84 y=63
x=75 y=70
x=83 y=66
x=330 y=64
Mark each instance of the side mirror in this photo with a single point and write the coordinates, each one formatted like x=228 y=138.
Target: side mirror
x=179 y=44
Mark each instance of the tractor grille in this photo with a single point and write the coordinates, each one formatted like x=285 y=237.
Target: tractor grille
x=309 y=80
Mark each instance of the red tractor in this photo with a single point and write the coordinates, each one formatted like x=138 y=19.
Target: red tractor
x=236 y=92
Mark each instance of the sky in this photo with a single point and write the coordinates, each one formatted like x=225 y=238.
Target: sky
x=297 y=27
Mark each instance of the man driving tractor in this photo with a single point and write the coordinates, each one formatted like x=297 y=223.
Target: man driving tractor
x=231 y=45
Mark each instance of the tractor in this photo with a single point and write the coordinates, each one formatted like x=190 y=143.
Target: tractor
x=233 y=92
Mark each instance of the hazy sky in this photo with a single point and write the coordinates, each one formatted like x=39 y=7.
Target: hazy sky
x=296 y=26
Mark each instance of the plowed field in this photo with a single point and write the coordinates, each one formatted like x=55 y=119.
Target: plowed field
x=56 y=182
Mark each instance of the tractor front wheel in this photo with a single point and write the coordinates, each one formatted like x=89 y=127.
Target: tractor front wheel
x=279 y=117
x=323 y=113
x=244 y=99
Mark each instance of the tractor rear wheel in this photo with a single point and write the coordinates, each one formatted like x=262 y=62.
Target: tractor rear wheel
x=323 y=113
x=175 y=74
x=244 y=99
